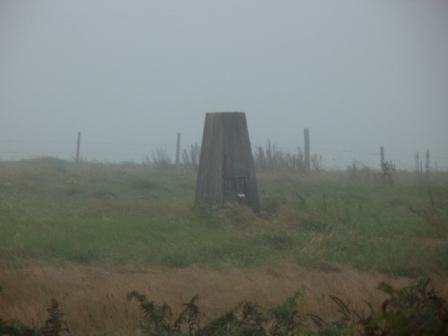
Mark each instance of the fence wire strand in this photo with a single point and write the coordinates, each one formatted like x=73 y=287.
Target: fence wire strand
x=169 y=149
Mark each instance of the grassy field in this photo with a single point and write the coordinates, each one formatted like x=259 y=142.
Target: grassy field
x=54 y=212
x=88 y=233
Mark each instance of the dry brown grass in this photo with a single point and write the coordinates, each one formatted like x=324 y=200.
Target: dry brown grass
x=94 y=299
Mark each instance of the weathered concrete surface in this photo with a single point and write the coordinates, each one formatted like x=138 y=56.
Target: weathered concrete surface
x=226 y=168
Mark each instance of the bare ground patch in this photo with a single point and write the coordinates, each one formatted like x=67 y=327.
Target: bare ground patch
x=94 y=299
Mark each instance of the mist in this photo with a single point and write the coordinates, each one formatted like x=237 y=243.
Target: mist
x=130 y=75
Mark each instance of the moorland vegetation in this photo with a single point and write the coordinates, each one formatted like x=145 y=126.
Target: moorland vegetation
x=55 y=212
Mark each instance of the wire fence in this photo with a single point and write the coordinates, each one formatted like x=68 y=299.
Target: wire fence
x=327 y=158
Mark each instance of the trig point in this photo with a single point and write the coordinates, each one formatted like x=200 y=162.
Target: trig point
x=226 y=166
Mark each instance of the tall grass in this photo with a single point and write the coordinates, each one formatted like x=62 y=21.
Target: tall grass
x=273 y=159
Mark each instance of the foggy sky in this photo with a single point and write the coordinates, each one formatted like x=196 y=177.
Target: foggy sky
x=358 y=74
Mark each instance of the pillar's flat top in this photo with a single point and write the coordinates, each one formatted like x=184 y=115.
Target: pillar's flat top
x=223 y=112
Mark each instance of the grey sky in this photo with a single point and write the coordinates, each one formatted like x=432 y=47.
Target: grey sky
x=359 y=74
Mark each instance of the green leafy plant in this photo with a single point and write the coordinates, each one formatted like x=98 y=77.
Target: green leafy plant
x=16 y=328
x=159 y=318
x=286 y=318
x=413 y=310
x=243 y=319
x=345 y=324
x=54 y=325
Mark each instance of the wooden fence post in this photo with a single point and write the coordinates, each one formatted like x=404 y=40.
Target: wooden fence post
x=382 y=157
x=78 y=145
x=307 y=149
x=178 y=150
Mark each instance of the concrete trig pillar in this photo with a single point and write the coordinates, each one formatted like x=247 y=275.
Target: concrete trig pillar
x=226 y=168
